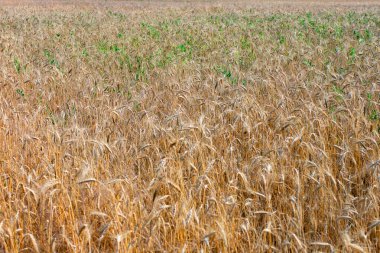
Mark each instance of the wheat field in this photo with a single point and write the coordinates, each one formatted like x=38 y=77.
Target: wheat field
x=204 y=128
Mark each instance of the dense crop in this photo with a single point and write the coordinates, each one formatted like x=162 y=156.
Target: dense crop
x=215 y=130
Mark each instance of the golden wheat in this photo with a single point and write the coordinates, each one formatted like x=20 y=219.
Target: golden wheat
x=189 y=129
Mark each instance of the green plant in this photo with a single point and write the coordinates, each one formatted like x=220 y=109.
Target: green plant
x=338 y=90
x=374 y=115
x=281 y=39
x=50 y=57
x=152 y=31
x=227 y=74
x=85 y=53
x=20 y=92
x=17 y=65
x=352 y=54
x=103 y=46
x=308 y=63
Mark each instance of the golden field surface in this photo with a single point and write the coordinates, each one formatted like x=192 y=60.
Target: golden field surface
x=189 y=127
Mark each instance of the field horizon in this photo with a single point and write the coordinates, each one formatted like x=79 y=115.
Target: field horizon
x=270 y=5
